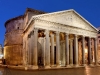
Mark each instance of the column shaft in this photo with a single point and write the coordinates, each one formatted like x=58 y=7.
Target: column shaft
x=95 y=50
x=57 y=49
x=76 y=49
x=83 y=50
x=26 y=53
x=89 y=51
x=52 y=49
x=67 y=49
x=71 y=52
x=35 y=51
x=47 y=50
x=44 y=51
x=30 y=53
x=32 y=48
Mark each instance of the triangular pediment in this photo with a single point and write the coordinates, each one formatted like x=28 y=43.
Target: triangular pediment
x=67 y=17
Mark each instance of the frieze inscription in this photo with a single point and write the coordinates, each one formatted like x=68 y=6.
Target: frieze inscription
x=65 y=29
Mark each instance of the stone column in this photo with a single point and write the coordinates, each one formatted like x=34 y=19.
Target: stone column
x=26 y=52
x=30 y=51
x=47 y=50
x=71 y=52
x=76 y=49
x=42 y=42
x=63 y=59
x=89 y=51
x=52 y=50
x=83 y=50
x=35 y=50
x=57 y=50
x=28 y=48
x=44 y=51
x=26 y=55
x=67 y=49
x=32 y=44
x=95 y=50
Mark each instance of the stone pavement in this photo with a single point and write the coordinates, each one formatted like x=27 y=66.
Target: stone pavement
x=68 y=71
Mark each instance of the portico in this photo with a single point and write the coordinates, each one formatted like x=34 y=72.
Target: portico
x=59 y=39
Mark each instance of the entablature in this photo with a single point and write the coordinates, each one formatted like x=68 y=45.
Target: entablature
x=42 y=24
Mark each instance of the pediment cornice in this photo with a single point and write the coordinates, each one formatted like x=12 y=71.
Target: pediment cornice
x=69 y=17
x=55 y=24
x=47 y=25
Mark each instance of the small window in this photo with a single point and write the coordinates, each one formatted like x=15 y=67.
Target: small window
x=17 y=27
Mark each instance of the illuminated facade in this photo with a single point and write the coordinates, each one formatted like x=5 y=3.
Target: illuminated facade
x=13 y=44
x=1 y=51
x=58 y=39
x=98 y=44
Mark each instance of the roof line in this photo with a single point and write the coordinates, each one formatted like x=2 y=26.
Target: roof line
x=85 y=20
x=15 y=18
x=47 y=14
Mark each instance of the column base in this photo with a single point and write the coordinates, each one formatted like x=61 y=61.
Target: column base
x=68 y=66
x=76 y=65
x=26 y=68
x=34 y=67
x=31 y=67
x=52 y=65
x=58 y=66
x=84 y=65
x=47 y=67
x=91 y=65
x=96 y=64
x=71 y=65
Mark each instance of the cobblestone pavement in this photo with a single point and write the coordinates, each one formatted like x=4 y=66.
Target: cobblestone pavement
x=92 y=71
x=75 y=71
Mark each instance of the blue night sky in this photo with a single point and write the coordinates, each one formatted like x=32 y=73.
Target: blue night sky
x=89 y=9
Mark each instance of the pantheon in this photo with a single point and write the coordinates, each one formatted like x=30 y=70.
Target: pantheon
x=54 y=40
